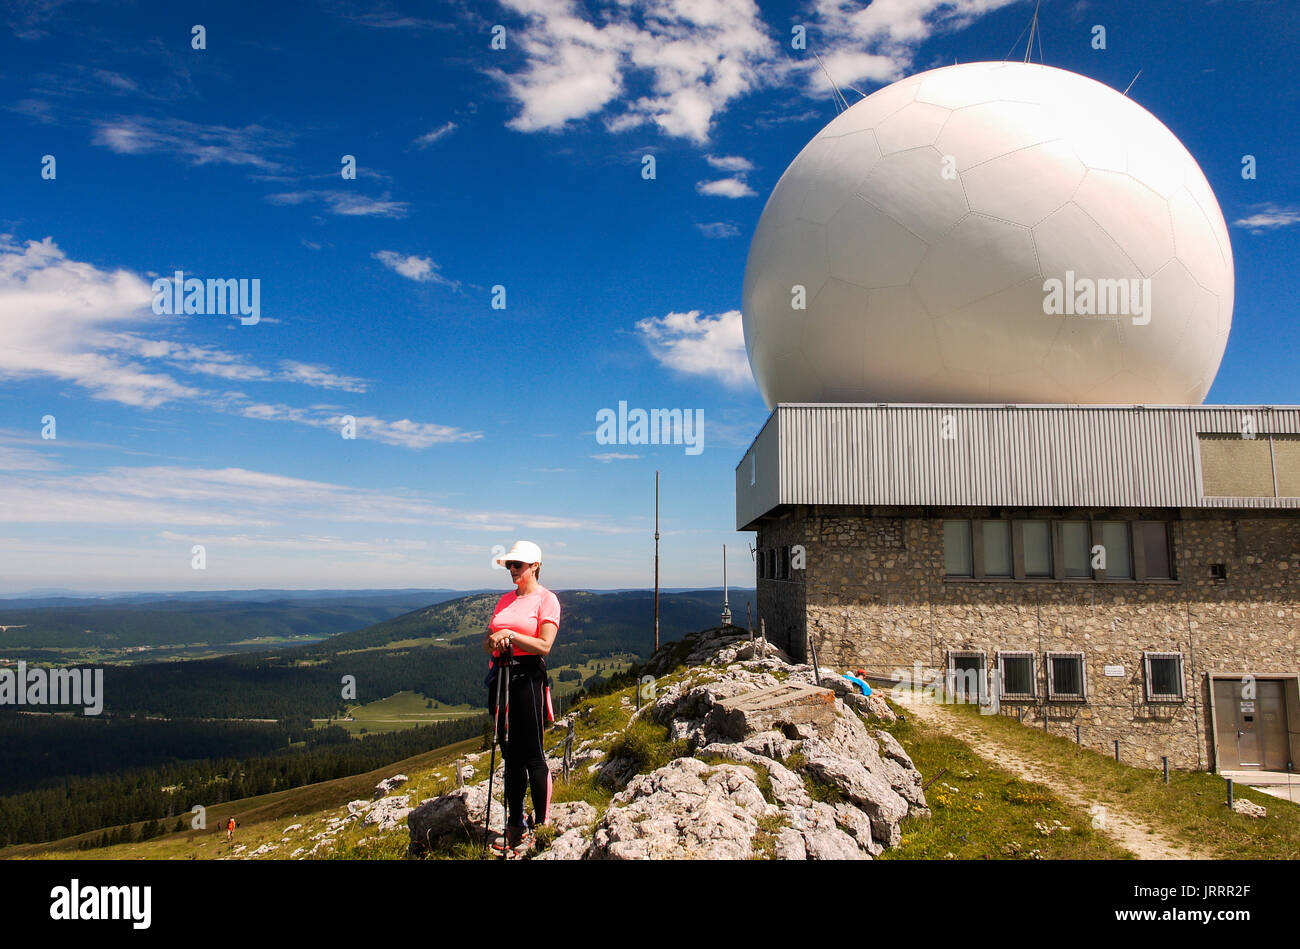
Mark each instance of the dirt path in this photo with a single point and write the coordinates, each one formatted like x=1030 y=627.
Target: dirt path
x=1133 y=834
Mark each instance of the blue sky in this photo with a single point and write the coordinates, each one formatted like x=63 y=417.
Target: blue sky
x=476 y=167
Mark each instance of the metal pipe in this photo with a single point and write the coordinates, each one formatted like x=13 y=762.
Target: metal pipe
x=1165 y=758
x=1117 y=749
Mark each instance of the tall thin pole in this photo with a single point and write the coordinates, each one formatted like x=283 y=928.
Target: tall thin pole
x=656 y=561
x=726 y=603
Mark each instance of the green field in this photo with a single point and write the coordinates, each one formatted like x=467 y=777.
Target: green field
x=403 y=710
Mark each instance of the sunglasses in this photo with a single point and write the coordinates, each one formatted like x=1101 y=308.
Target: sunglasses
x=512 y=564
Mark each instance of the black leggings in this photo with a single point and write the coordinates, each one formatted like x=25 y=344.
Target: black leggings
x=525 y=761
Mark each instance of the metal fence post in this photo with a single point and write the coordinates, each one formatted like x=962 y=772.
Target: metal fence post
x=1117 y=749
x=1229 y=793
x=1166 y=761
x=1078 y=739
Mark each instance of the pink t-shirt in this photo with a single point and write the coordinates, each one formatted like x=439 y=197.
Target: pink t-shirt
x=526 y=614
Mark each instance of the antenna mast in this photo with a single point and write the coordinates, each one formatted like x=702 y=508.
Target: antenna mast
x=1033 y=28
x=726 y=606
x=656 y=561
x=840 y=102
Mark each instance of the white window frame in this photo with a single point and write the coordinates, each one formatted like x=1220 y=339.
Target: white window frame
x=1162 y=698
x=1052 y=694
x=1003 y=694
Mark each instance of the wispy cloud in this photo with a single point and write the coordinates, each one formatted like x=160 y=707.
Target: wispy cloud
x=419 y=269
x=345 y=203
x=189 y=141
x=173 y=498
x=382 y=15
x=712 y=346
x=718 y=229
x=1269 y=217
x=609 y=456
x=442 y=131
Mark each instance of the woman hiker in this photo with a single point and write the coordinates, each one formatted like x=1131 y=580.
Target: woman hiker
x=524 y=625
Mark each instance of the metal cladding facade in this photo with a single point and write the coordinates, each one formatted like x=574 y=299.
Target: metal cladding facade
x=1007 y=455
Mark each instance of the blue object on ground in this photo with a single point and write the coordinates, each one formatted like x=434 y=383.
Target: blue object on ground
x=866 y=689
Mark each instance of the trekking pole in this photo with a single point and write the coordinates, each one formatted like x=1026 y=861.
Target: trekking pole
x=492 y=763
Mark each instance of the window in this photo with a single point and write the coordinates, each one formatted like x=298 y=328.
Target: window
x=1036 y=537
x=1164 y=676
x=1119 y=558
x=1065 y=679
x=997 y=548
x=760 y=561
x=966 y=679
x=1017 y=676
x=1076 y=548
x=956 y=549
x=1153 y=536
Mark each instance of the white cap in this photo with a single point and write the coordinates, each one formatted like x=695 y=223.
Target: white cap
x=523 y=551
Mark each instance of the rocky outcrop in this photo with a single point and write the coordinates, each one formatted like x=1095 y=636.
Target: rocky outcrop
x=389 y=784
x=389 y=813
x=460 y=811
x=781 y=764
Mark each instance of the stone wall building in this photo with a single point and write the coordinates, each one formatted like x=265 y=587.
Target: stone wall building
x=1120 y=573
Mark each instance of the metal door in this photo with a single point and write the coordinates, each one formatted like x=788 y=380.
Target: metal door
x=1251 y=724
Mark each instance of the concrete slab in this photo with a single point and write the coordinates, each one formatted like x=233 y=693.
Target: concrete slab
x=792 y=703
x=1279 y=784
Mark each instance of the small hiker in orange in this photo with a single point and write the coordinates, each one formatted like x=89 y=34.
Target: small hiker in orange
x=230 y=830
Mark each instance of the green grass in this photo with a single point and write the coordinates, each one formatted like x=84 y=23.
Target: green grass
x=1191 y=809
x=399 y=711
x=983 y=813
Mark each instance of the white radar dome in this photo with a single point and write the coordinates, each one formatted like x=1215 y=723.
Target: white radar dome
x=990 y=232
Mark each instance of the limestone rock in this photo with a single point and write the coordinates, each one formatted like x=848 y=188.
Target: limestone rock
x=460 y=810
x=686 y=809
x=389 y=784
x=390 y=813
x=1249 y=808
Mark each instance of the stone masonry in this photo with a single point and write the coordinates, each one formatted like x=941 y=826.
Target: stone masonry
x=874 y=595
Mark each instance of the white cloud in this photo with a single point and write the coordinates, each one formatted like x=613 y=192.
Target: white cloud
x=609 y=456
x=730 y=162
x=55 y=314
x=1269 y=217
x=693 y=58
x=711 y=346
x=725 y=188
x=419 y=269
x=678 y=64
x=442 y=131
x=59 y=318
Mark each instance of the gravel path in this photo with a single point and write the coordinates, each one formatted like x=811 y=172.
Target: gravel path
x=1135 y=835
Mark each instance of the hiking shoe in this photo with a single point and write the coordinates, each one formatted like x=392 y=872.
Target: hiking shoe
x=519 y=840
x=499 y=845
